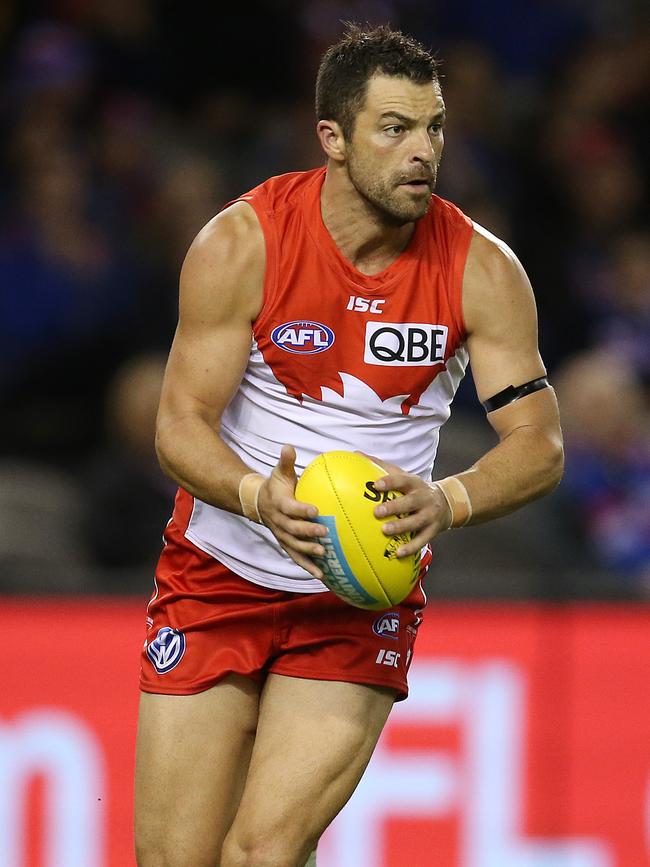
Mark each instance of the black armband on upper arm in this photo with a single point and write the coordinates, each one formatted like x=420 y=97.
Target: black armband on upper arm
x=513 y=393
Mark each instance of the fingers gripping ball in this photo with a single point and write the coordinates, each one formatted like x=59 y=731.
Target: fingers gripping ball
x=360 y=563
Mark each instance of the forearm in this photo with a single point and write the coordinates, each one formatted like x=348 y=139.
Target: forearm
x=193 y=454
x=526 y=464
x=196 y=457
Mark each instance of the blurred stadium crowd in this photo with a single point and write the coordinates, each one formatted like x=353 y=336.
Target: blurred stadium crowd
x=126 y=124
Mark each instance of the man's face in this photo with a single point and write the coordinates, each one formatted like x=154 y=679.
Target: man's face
x=396 y=145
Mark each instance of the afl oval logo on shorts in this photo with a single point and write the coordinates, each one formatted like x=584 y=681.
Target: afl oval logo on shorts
x=167 y=649
x=387 y=625
x=303 y=337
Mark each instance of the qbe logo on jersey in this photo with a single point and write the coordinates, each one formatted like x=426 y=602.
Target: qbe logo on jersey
x=167 y=649
x=303 y=337
x=405 y=344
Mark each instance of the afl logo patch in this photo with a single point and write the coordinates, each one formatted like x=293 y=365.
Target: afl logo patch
x=166 y=650
x=387 y=625
x=303 y=337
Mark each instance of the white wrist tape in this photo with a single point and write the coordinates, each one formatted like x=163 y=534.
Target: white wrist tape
x=249 y=491
x=460 y=505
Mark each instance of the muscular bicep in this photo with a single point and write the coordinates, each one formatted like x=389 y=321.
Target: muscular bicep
x=501 y=318
x=220 y=296
x=204 y=369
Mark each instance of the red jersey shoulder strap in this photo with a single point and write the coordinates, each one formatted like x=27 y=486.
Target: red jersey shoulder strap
x=453 y=234
x=271 y=201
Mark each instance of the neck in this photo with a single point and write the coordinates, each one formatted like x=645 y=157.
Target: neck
x=365 y=237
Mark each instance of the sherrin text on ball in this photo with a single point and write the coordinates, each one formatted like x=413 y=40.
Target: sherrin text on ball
x=360 y=563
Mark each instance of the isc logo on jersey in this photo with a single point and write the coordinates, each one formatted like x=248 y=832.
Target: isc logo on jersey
x=405 y=344
x=303 y=337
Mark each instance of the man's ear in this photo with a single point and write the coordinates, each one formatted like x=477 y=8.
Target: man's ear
x=332 y=139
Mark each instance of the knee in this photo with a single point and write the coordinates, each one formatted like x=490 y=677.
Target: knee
x=253 y=851
x=163 y=855
x=250 y=853
x=154 y=856
x=147 y=856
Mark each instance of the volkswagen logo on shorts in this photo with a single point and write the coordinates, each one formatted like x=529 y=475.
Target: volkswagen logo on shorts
x=303 y=337
x=166 y=650
x=387 y=625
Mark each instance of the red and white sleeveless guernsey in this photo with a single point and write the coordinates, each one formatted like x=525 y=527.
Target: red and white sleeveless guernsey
x=338 y=360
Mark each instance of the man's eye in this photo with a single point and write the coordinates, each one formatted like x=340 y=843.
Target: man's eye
x=394 y=130
x=435 y=128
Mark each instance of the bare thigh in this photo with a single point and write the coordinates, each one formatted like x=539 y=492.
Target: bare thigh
x=314 y=740
x=192 y=757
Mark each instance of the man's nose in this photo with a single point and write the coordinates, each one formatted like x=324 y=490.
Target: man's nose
x=422 y=148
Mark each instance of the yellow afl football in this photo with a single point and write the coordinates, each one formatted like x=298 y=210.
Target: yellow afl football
x=360 y=563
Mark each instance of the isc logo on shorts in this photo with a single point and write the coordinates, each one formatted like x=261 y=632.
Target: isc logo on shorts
x=303 y=337
x=405 y=344
x=387 y=625
x=167 y=649
x=388 y=657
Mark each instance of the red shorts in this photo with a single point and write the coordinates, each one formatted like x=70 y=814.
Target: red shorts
x=206 y=622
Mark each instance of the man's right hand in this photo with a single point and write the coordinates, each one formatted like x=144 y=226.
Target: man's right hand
x=289 y=519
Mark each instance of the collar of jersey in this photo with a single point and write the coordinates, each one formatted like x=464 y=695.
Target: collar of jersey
x=381 y=282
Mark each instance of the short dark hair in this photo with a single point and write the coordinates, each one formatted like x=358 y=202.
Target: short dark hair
x=347 y=66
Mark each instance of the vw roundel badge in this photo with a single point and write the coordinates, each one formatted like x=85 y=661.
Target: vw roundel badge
x=166 y=650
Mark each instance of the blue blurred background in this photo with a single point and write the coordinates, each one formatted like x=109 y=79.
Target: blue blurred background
x=126 y=124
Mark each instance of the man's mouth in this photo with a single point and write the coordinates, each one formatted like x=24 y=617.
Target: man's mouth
x=418 y=184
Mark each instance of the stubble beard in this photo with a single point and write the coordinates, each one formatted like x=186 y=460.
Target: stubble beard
x=383 y=196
